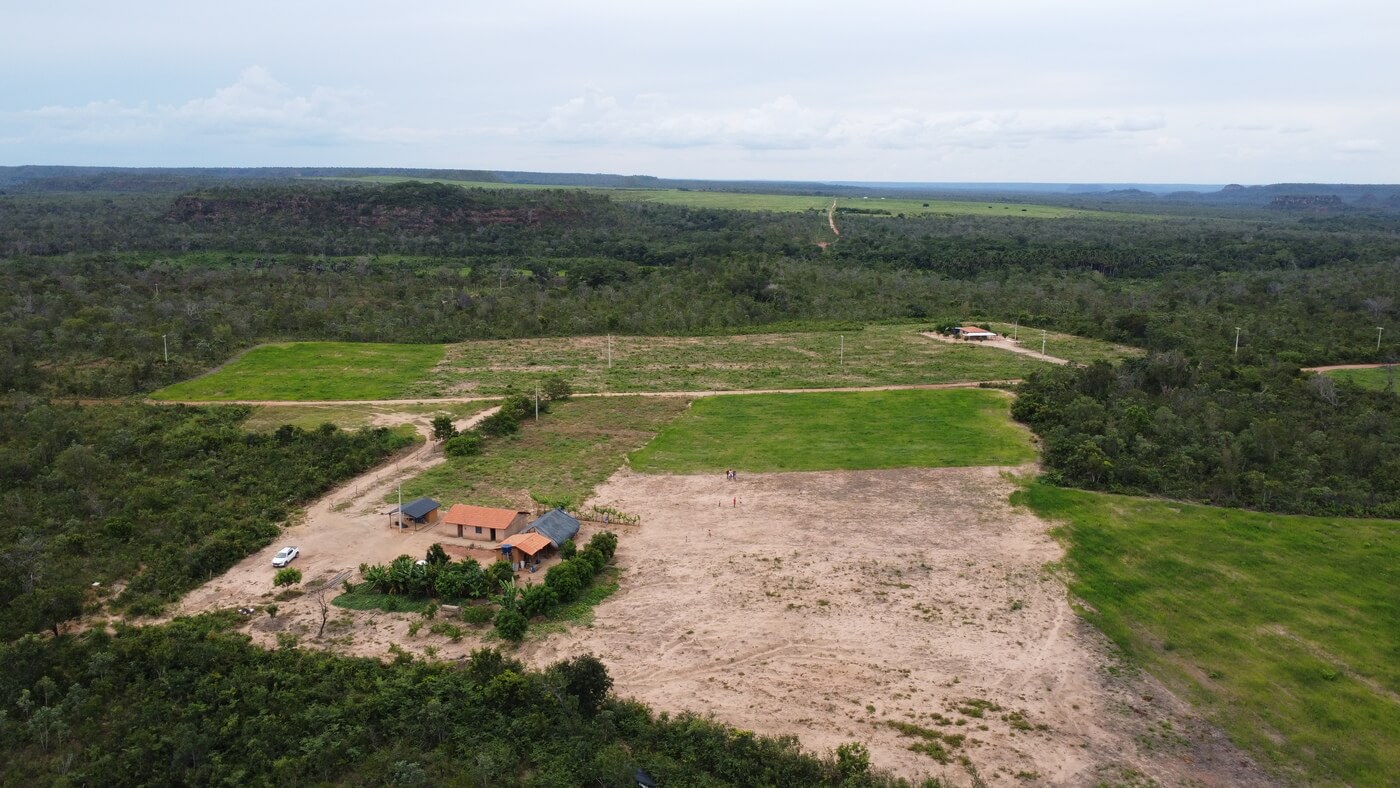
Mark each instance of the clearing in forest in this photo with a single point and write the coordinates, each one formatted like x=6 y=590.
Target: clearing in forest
x=1283 y=629
x=1373 y=378
x=909 y=609
x=790 y=203
x=313 y=371
x=808 y=432
x=873 y=355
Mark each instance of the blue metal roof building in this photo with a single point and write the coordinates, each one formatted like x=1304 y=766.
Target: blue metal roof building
x=556 y=526
x=421 y=510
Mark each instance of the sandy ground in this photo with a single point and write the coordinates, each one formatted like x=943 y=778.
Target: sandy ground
x=828 y=604
x=1001 y=343
x=346 y=527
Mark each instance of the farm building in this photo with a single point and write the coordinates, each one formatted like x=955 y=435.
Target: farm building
x=556 y=526
x=484 y=523
x=522 y=550
x=421 y=511
x=973 y=332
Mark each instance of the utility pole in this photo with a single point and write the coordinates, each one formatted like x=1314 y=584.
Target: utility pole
x=1042 y=341
x=1379 y=329
x=400 y=507
x=1016 y=331
x=537 y=402
x=166 y=345
x=843 y=350
x=609 y=351
x=1237 y=340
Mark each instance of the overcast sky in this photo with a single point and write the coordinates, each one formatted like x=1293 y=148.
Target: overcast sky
x=1018 y=90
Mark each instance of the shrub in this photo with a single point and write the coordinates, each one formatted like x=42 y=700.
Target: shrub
x=448 y=630
x=501 y=572
x=511 y=625
x=564 y=579
x=557 y=388
x=286 y=577
x=605 y=542
x=466 y=444
x=537 y=600
x=478 y=614
x=499 y=423
x=567 y=550
x=443 y=428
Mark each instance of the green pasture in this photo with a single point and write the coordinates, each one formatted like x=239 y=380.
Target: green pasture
x=1376 y=379
x=839 y=431
x=875 y=355
x=559 y=459
x=878 y=355
x=314 y=371
x=794 y=203
x=1285 y=630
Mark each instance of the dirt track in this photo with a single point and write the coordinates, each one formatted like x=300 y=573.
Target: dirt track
x=726 y=392
x=1001 y=344
x=1348 y=366
x=345 y=527
x=827 y=605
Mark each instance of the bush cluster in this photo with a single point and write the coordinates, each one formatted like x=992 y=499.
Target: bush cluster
x=562 y=584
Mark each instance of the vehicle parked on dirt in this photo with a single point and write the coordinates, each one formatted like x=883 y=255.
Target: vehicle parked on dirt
x=285 y=556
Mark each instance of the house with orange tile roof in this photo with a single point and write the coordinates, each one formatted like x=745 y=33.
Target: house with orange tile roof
x=973 y=332
x=484 y=523
x=525 y=548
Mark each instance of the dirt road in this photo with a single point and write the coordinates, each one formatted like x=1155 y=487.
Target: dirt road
x=831 y=219
x=726 y=392
x=345 y=527
x=834 y=605
x=1001 y=344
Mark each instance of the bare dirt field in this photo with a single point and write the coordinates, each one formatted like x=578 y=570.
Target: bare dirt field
x=829 y=605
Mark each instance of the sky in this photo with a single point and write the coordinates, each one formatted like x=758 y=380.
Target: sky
x=1074 y=91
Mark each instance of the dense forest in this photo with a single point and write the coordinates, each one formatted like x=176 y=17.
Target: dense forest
x=217 y=270
x=1261 y=437
x=160 y=498
x=113 y=284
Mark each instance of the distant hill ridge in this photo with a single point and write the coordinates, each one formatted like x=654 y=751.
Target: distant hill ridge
x=1309 y=197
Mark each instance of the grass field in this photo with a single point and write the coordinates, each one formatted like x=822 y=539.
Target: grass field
x=1374 y=379
x=349 y=417
x=794 y=203
x=1080 y=350
x=563 y=457
x=851 y=431
x=875 y=356
x=313 y=371
x=1284 y=629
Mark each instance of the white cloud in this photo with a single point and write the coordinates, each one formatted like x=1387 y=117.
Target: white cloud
x=1359 y=146
x=255 y=107
x=786 y=124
